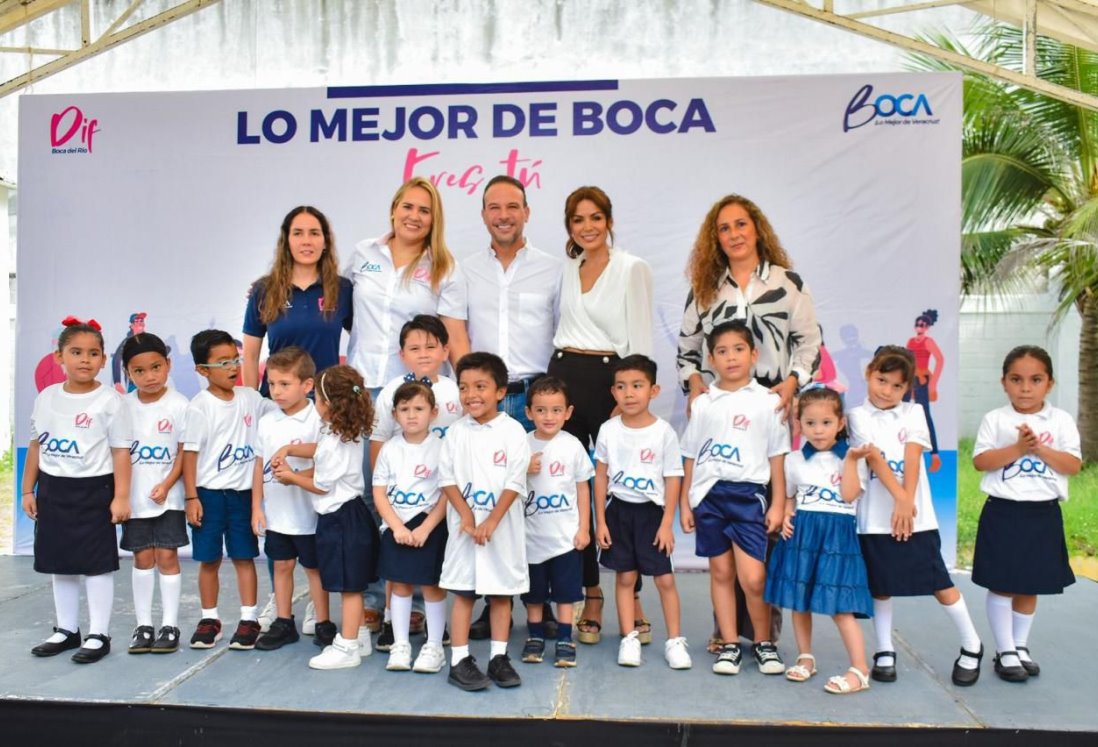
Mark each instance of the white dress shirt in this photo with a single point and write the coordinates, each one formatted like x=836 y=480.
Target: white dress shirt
x=616 y=314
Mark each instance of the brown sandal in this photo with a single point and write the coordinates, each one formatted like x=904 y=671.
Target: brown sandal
x=589 y=630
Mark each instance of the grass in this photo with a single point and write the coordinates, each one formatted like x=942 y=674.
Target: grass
x=1080 y=513
x=7 y=495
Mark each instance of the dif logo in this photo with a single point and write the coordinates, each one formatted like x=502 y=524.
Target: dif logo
x=740 y=422
x=82 y=420
x=902 y=108
x=500 y=458
x=164 y=426
x=71 y=131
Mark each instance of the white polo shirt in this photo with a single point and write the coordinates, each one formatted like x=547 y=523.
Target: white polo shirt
x=337 y=470
x=223 y=433
x=514 y=312
x=891 y=431
x=731 y=436
x=157 y=434
x=552 y=513
x=483 y=460
x=447 y=400
x=383 y=302
x=638 y=459
x=1028 y=478
x=409 y=473
x=816 y=482
x=76 y=432
x=288 y=508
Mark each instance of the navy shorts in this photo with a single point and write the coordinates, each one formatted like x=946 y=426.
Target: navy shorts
x=419 y=566
x=301 y=547
x=346 y=548
x=226 y=522
x=732 y=513
x=558 y=580
x=633 y=528
x=167 y=531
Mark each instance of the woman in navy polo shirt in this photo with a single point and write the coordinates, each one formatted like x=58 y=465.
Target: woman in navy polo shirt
x=302 y=301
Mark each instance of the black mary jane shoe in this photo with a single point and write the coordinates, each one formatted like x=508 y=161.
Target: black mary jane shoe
x=72 y=640
x=1032 y=668
x=91 y=655
x=884 y=674
x=967 y=677
x=1010 y=674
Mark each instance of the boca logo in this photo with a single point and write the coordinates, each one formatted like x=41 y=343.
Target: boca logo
x=545 y=503
x=482 y=499
x=369 y=266
x=1025 y=466
x=157 y=454
x=901 y=435
x=640 y=484
x=863 y=108
x=57 y=446
x=422 y=275
x=231 y=456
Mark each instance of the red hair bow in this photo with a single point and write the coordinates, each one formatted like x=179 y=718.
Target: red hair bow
x=71 y=321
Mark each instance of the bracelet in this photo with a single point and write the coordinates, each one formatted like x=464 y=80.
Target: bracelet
x=193 y=498
x=28 y=492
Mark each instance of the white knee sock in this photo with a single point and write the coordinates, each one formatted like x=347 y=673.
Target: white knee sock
x=882 y=626
x=436 y=620
x=170 y=588
x=1021 y=625
x=1002 y=626
x=144 y=581
x=66 y=604
x=401 y=609
x=970 y=639
x=497 y=648
x=100 y=591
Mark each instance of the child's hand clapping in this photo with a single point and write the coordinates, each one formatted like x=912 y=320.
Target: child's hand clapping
x=535 y=464
x=1027 y=439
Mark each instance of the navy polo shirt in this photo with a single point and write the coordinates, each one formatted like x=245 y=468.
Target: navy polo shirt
x=302 y=323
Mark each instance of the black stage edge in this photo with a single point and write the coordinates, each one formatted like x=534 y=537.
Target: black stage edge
x=41 y=722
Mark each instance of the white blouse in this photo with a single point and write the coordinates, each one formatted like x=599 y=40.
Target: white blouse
x=616 y=314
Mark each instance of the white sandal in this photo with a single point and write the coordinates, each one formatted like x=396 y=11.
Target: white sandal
x=840 y=685
x=799 y=672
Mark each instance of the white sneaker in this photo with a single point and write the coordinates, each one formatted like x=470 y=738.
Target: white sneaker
x=629 y=651
x=342 y=654
x=431 y=659
x=400 y=657
x=676 y=654
x=308 y=627
x=365 y=647
x=268 y=615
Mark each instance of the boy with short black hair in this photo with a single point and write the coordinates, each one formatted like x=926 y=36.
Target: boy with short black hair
x=558 y=518
x=218 y=452
x=284 y=514
x=637 y=465
x=482 y=471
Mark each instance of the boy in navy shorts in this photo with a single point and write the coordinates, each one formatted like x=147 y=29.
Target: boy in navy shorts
x=218 y=452
x=638 y=469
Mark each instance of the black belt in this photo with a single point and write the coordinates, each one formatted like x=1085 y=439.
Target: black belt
x=520 y=386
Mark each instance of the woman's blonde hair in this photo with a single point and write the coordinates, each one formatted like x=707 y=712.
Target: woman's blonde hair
x=442 y=261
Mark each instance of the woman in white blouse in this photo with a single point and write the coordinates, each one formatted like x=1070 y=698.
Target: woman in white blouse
x=605 y=314
x=408 y=271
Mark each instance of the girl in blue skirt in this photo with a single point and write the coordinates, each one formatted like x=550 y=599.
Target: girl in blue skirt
x=818 y=566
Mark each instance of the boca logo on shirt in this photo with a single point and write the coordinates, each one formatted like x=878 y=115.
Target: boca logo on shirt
x=82 y=420
x=1027 y=467
x=57 y=446
x=545 y=503
x=723 y=452
x=369 y=266
x=647 y=456
x=164 y=425
x=836 y=478
x=231 y=456
x=640 y=484
x=148 y=453
x=483 y=500
x=399 y=497
x=817 y=494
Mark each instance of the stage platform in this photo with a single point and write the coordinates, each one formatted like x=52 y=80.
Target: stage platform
x=220 y=696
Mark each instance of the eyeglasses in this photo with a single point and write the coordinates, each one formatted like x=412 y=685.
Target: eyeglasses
x=233 y=363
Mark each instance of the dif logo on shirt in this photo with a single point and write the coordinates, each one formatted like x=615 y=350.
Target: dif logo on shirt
x=499 y=459
x=58 y=446
x=741 y=422
x=546 y=504
x=422 y=471
x=483 y=500
x=647 y=456
x=149 y=454
x=556 y=469
x=164 y=426
x=726 y=453
x=82 y=420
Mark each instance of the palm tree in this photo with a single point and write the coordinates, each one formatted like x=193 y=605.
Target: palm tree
x=1030 y=187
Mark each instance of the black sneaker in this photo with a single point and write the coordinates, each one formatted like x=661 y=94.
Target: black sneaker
x=467 y=675
x=142 y=640
x=502 y=673
x=247 y=633
x=72 y=640
x=565 y=655
x=167 y=640
x=728 y=659
x=767 y=658
x=282 y=631
x=325 y=633
x=534 y=650
x=207 y=633
x=385 y=638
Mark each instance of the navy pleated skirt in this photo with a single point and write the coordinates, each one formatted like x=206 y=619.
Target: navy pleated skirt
x=1020 y=548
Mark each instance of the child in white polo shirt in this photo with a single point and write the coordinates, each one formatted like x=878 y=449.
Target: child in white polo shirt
x=482 y=471
x=558 y=518
x=639 y=471
x=735 y=446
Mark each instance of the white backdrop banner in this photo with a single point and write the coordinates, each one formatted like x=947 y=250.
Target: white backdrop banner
x=170 y=203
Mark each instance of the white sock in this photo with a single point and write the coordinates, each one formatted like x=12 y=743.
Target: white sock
x=210 y=613
x=144 y=581
x=1002 y=626
x=882 y=626
x=401 y=617
x=970 y=639
x=497 y=648
x=387 y=616
x=66 y=604
x=1022 y=624
x=100 y=591
x=171 y=586
x=248 y=613
x=436 y=620
x=457 y=653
